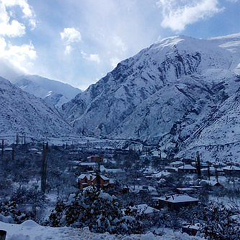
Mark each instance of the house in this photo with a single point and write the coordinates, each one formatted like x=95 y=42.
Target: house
x=176 y=164
x=232 y=170
x=85 y=180
x=209 y=171
x=144 y=209
x=161 y=174
x=147 y=148
x=211 y=184
x=111 y=170
x=188 y=161
x=8 y=149
x=95 y=159
x=171 y=169
x=187 y=169
x=135 y=146
x=87 y=166
x=177 y=201
x=186 y=190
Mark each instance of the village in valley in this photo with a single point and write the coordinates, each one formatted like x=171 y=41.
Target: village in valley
x=139 y=184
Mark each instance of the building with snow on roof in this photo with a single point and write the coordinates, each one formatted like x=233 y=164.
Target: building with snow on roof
x=187 y=168
x=176 y=201
x=88 y=179
x=232 y=171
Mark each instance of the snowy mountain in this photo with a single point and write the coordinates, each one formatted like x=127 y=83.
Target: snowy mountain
x=181 y=93
x=26 y=114
x=53 y=92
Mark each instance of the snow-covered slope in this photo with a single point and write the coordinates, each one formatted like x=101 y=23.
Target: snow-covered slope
x=26 y=114
x=53 y=92
x=178 y=93
x=30 y=230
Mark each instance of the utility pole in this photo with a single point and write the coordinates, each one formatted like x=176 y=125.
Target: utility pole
x=209 y=173
x=216 y=174
x=2 y=154
x=98 y=160
x=98 y=177
x=44 y=168
x=13 y=152
x=198 y=165
x=17 y=139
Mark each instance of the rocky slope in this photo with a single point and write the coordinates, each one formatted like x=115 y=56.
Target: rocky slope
x=181 y=93
x=26 y=114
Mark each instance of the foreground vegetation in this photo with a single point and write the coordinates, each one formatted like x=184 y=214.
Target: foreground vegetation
x=112 y=210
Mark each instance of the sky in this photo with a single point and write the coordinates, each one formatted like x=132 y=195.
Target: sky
x=80 y=41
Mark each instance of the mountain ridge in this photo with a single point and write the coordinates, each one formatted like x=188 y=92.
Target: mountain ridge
x=53 y=92
x=162 y=94
x=26 y=114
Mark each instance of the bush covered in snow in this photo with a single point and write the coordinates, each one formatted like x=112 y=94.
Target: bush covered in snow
x=22 y=205
x=220 y=223
x=97 y=210
x=10 y=212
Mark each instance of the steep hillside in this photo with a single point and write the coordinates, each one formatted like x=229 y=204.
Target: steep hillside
x=175 y=93
x=53 y=92
x=24 y=113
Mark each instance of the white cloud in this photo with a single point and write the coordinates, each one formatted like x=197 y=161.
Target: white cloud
x=91 y=57
x=27 y=11
x=118 y=42
x=68 y=50
x=94 y=58
x=21 y=3
x=70 y=35
x=13 y=24
x=177 y=14
x=3 y=46
x=12 y=29
x=20 y=57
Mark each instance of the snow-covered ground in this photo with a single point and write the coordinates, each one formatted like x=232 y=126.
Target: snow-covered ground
x=30 y=230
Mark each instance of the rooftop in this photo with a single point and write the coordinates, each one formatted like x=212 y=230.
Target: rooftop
x=178 y=198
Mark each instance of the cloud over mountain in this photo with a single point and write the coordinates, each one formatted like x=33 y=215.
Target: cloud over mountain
x=178 y=14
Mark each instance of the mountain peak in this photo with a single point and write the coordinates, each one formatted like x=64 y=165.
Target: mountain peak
x=54 y=92
x=166 y=94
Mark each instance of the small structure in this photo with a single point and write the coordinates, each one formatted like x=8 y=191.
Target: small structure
x=87 y=166
x=171 y=169
x=161 y=174
x=186 y=190
x=211 y=184
x=232 y=170
x=8 y=149
x=144 y=209
x=187 y=169
x=176 y=164
x=188 y=161
x=85 y=180
x=95 y=159
x=177 y=201
x=208 y=170
x=191 y=229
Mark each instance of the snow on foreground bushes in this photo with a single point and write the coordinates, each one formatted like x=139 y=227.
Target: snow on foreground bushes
x=94 y=209
x=29 y=230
